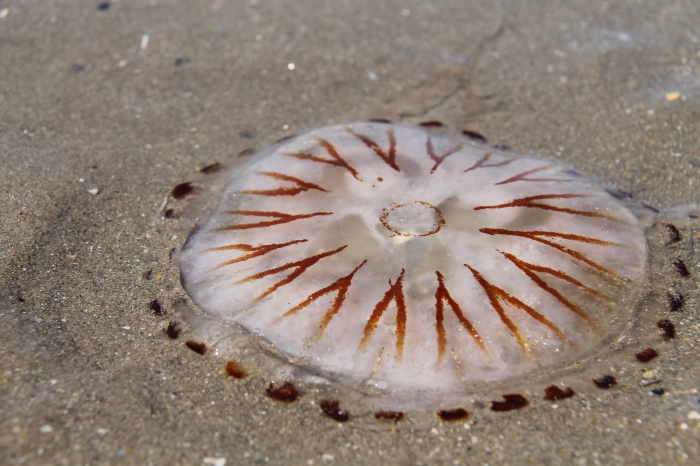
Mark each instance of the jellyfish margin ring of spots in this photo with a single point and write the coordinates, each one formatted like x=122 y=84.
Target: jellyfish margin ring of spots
x=400 y=269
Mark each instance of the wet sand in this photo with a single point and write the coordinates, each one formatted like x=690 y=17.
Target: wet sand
x=105 y=109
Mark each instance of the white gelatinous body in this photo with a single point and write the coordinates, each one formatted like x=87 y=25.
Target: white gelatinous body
x=414 y=260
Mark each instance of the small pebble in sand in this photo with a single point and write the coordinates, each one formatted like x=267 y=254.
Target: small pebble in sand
x=93 y=191
x=671 y=96
x=694 y=416
x=4 y=12
x=46 y=429
x=214 y=461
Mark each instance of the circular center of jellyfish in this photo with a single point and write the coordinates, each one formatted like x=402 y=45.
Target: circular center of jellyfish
x=416 y=218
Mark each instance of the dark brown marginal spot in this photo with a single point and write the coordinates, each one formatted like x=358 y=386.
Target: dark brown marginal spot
x=285 y=392
x=183 y=190
x=285 y=138
x=675 y=301
x=605 y=382
x=681 y=269
x=512 y=401
x=452 y=415
x=668 y=328
x=474 y=135
x=673 y=234
x=235 y=370
x=389 y=416
x=246 y=152
x=553 y=393
x=647 y=355
x=157 y=308
x=653 y=209
x=174 y=330
x=380 y=120
x=197 y=346
x=431 y=124
x=171 y=214
x=333 y=410
x=211 y=168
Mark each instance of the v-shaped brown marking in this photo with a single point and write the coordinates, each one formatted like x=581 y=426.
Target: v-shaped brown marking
x=279 y=216
x=439 y=159
x=301 y=186
x=530 y=269
x=388 y=157
x=395 y=293
x=340 y=286
x=253 y=251
x=299 y=268
x=523 y=176
x=442 y=295
x=537 y=235
x=532 y=202
x=481 y=163
x=336 y=160
x=496 y=295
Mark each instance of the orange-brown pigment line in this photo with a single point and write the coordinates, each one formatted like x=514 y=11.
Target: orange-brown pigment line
x=495 y=293
x=254 y=251
x=281 y=218
x=529 y=202
x=529 y=270
x=562 y=276
x=442 y=295
x=390 y=158
x=482 y=163
x=439 y=159
x=523 y=176
x=394 y=293
x=535 y=236
x=300 y=266
x=493 y=298
x=301 y=186
x=336 y=161
x=341 y=285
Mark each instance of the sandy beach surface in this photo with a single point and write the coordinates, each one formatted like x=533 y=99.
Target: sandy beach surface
x=106 y=106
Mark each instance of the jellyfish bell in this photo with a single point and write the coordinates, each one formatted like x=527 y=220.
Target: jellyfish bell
x=407 y=261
